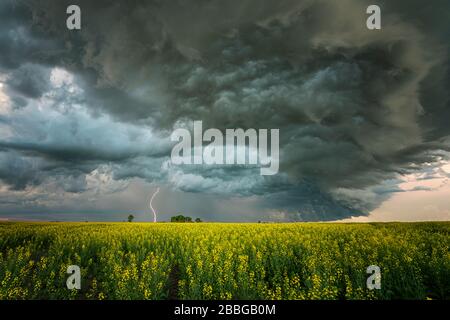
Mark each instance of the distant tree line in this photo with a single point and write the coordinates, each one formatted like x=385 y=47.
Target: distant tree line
x=181 y=218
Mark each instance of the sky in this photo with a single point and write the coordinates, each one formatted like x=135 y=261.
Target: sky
x=86 y=115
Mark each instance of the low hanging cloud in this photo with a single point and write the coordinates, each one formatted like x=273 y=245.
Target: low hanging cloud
x=355 y=108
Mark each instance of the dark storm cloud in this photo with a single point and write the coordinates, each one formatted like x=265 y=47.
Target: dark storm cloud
x=354 y=107
x=17 y=171
x=76 y=153
x=68 y=142
x=21 y=38
x=32 y=81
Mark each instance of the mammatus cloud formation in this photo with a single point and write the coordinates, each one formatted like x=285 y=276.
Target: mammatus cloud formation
x=85 y=112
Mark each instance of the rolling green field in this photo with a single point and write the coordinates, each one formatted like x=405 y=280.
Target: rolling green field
x=224 y=261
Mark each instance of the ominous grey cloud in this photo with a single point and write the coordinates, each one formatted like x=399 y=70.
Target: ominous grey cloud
x=32 y=81
x=355 y=107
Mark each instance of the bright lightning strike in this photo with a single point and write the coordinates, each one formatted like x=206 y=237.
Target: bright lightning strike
x=151 y=207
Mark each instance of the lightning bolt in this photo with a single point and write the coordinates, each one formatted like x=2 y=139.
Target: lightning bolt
x=151 y=207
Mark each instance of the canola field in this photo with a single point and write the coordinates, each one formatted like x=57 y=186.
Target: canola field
x=224 y=261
